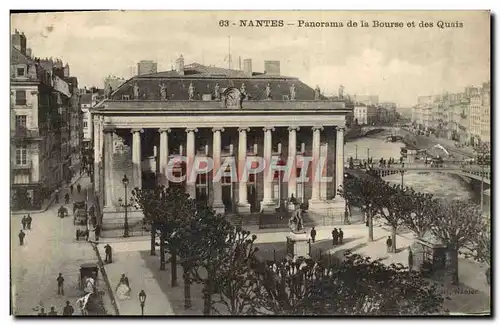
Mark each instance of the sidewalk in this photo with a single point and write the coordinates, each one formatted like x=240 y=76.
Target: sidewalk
x=134 y=264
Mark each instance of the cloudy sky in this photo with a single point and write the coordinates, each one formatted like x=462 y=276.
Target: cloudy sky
x=398 y=64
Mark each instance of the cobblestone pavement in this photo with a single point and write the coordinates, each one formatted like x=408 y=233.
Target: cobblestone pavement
x=50 y=247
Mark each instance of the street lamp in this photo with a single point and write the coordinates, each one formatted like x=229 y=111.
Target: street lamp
x=368 y=154
x=126 y=205
x=402 y=171
x=356 y=152
x=142 y=299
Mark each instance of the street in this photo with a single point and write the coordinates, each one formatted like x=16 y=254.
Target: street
x=50 y=248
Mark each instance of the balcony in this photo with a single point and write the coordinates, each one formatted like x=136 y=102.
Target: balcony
x=22 y=166
x=24 y=133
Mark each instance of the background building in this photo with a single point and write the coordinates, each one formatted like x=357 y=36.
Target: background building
x=147 y=67
x=463 y=117
x=113 y=81
x=88 y=99
x=41 y=125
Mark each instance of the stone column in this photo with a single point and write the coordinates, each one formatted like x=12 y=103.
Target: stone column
x=35 y=163
x=243 y=205
x=163 y=156
x=315 y=163
x=339 y=150
x=190 y=155
x=268 y=204
x=97 y=153
x=292 y=158
x=217 y=204
x=136 y=158
x=108 y=167
x=101 y=137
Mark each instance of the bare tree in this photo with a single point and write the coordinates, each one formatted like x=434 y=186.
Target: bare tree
x=457 y=224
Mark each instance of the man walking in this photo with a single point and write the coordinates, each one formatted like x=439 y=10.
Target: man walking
x=313 y=234
x=23 y=222
x=78 y=188
x=21 y=237
x=109 y=257
x=28 y=221
x=71 y=189
x=335 y=236
x=60 y=283
x=341 y=236
x=388 y=242
x=68 y=309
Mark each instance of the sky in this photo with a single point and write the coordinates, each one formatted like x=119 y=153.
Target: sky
x=397 y=64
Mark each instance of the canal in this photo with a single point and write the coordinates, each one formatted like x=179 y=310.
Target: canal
x=441 y=185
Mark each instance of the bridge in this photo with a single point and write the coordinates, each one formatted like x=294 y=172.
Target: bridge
x=470 y=171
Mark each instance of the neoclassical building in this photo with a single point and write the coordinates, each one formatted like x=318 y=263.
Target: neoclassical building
x=201 y=111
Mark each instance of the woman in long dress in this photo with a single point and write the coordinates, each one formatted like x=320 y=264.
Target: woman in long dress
x=123 y=289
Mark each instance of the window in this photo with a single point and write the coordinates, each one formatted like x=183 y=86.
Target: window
x=20 y=72
x=21 y=154
x=20 y=97
x=20 y=122
x=85 y=124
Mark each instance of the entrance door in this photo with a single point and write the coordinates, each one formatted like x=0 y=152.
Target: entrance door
x=148 y=180
x=252 y=197
x=227 y=197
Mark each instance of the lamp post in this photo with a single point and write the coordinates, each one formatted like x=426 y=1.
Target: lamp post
x=356 y=152
x=368 y=154
x=402 y=171
x=142 y=300
x=126 y=205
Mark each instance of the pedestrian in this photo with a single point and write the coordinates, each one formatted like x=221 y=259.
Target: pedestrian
x=28 y=221
x=71 y=189
x=109 y=254
x=410 y=259
x=57 y=196
x=78 y=187
x=53 y=311
x=388 y=242
x=60 y=284
x=68 y=309
x=313 y=234
x=23 y=222
x=42 y=312
x=335 y=236
x=66 y=198
x=341 y=236
x=21 y=237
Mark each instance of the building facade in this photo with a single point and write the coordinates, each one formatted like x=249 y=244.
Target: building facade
x=146 y=67
x=486 y=113
x=230 y=116
x=40 y=126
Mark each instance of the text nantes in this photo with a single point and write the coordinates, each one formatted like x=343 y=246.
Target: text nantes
x=261 y=23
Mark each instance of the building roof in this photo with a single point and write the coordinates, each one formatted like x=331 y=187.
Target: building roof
x=204 y=80
x=17 y=57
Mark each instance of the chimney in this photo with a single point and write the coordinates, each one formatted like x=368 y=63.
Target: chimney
x=66 y=70
x=179 y=65
x=247 y=67
x=272 y=68
x=19 y=41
